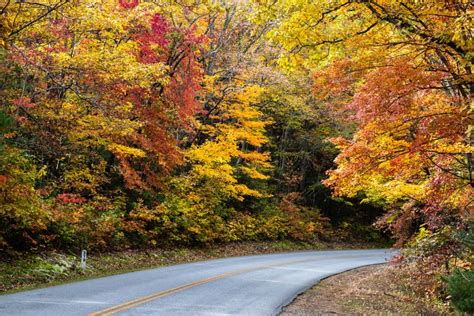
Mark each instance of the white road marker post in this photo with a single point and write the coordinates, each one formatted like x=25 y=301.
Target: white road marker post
x=83 y=259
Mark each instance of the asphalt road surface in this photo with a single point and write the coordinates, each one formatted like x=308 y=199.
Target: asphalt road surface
x=253 y=285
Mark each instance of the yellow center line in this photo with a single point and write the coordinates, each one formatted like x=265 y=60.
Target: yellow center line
x=172 y=291
x=145 y=299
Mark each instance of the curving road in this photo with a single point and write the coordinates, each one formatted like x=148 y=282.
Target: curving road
x=253 y=285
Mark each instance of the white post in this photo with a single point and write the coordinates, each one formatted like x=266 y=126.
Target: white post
x=83 y=259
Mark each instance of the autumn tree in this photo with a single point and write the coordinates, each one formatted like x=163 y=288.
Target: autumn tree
x=98 y=91
x=402 y=72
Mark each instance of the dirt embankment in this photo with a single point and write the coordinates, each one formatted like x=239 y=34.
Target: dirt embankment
x=372 y=290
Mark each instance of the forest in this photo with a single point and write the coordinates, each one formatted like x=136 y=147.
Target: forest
x=130 y=124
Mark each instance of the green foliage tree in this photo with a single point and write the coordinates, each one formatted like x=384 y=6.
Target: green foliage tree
x=461 y=289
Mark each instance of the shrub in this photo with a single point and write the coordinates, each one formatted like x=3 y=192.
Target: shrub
x=461 y=288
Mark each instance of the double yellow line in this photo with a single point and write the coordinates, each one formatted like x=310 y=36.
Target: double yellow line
x=145 y=299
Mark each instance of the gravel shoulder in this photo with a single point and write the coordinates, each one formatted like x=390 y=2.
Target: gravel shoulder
x=371 y=290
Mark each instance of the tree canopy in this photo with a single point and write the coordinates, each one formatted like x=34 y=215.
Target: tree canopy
x=139 y=123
